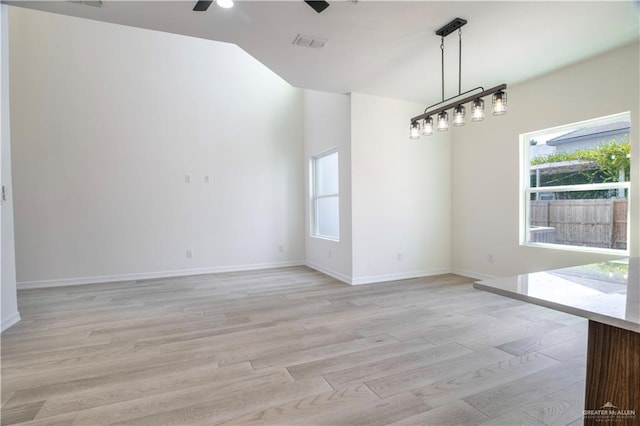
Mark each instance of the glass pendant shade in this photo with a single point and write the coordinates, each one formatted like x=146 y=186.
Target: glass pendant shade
x=443 y=121
x=458 y=116
x=414 y=131
x=499 y=103
x=427 y=126
x=477 y=110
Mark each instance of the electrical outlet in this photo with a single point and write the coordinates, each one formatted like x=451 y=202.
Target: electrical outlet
x=491 y=258
x=187 y=178
x=189 y=254
x=206 y=178
x=398 y=256
x=329 y=254
x=281 y=248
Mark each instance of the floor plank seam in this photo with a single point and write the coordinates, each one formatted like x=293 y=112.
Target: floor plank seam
x=327 y=382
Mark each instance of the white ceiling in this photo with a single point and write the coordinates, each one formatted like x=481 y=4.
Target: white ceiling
x=389 y=48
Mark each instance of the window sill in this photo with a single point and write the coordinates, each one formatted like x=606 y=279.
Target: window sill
x=320 y=237
x=597 y=250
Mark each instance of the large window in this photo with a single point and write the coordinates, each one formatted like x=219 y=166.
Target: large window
x=325 y=195
x=575 y=185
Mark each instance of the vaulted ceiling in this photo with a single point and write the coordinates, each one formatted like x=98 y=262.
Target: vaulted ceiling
x=389 y=48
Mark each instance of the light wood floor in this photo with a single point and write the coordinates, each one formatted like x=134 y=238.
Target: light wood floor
x=289 y=346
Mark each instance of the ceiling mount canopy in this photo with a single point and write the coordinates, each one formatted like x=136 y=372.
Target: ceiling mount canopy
x=456 y=24
x=455 y=103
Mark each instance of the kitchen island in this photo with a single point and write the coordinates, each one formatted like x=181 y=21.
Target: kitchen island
x=608 y=295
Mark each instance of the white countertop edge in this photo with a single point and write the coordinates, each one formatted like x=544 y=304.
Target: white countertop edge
x=593 y=316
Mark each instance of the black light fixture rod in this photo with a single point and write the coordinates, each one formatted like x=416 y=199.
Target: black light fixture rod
x=442 y=62
x=459 y=62
x=464 y=100
x=453 y=97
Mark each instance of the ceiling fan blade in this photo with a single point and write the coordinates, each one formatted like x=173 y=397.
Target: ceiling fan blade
x=316 y=5
x=202 y=5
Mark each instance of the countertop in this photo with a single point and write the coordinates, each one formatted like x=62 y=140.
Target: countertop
x=607 y=292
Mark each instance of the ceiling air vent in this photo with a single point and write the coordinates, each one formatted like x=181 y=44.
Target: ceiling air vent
x=94 y=3
x=309 y=41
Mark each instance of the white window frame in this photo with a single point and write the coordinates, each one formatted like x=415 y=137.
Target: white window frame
x=526 y=190
x=315 y=197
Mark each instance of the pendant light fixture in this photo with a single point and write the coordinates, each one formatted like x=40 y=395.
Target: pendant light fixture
x=439 y=110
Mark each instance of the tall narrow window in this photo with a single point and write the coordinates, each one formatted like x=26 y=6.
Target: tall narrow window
x=576 y=185
x=325 y=195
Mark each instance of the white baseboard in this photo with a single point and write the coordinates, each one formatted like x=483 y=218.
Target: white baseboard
x=372 y=279
x=472 y=274
x=334 y=274
x=11 y=320
x=26 y=285
x=380 y=279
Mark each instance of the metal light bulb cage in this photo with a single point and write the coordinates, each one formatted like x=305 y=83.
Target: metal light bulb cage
x=459 y=116
x=427 y=126
x=414 y=131
x=499 y=103
x=477 y=110
x=443 y=121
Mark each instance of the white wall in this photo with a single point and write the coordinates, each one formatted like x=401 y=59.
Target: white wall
x=106 y=122
x=327 y=125
x=486 y=162
x=401 y=192
x=9 y=305
x=395 y=194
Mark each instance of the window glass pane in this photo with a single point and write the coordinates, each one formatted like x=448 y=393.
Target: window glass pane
x=578 y=219
x=591 y=153
x=327 y=175
x=594 y=154
x=327 y=214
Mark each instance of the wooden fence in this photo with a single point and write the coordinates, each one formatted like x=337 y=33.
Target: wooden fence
x=594 y=223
